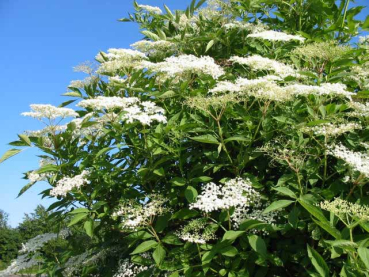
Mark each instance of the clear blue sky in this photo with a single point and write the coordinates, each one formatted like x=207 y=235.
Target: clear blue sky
x=40 y=42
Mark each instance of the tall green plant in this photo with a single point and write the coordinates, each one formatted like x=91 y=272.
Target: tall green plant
x=217 y=146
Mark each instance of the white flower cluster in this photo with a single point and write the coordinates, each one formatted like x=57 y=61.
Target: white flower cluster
x=235 y=192
x=344 y=208
x=37 y=242
x=118 y=59
x=336 y=89
x=145 y=112
x=363 y=39
x=240 y=25
x=109 y=103
x=182 y=66
x=189 y=23
x=267 y=88
x=262 y=88
x=255 y=212
x=66 y=184
x=275 y=36
x=30 y=257
x=259 y=63
x=356 y=160
x=128 y=269
x=157 y=48
x=196 y=232
x=76 y=263
x=136 y=215
x=332 y=130
x=360 y=74
x=40 y=111
x=34 y=177
x=151 y=9
x=82 y=83
x=360 y=109
x=22 y=262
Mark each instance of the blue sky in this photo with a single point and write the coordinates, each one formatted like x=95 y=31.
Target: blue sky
x=41 y=41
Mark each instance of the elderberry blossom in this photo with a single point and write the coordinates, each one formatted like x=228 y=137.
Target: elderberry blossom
x=183 y=66
x=356 y=160
x=259 y=63
x=145 y=112
x=34 y=177
x=136 y=215
x=235 y=192
x=66 y=184
x=128 y=269
x=196 y=232
x=363 y=39
x=336 y=89
x=151 y=9
x=332 y=130
x=101 y=102
x=37 y=242
x=40 y=111
x=240 y=25
x=276 y=36
x=118 y=59
x=360 y=109
x=256 y=212
x=343 y=208
x=155 y=48
x=22 y=262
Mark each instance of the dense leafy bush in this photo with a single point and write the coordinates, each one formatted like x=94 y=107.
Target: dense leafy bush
x=231 y=142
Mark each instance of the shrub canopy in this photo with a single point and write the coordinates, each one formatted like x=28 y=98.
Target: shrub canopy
x=231 y=141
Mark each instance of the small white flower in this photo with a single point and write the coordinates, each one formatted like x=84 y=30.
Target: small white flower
x=277 y=36
x=40 y=111
x=66 y=184
x=151 y=9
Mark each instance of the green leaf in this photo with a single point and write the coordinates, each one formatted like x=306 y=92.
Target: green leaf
x=103 y=151
x=48 y=168
x=365 y=25
x=229 y=251
x=25 y=188
x=172 y=239
x=79 y=210
x=77 y=218
x=179 y=182
x=313 y=210
x=326 y=225
x=73 y=94
x=210 y=44
x=144 y=246
x=318 y=262
x=89 y=228
x=276 y=205
x=191 y=194
x=286 y=191
x=167 y=94
x=364 y=255
x=185 y=214
x=344 y=244
x=159 y=254
x=159 y=172
x=25 y=139
x=10 y=153
x=258 y=244
x=237 y=138
x=206 y=139
x=151 y=35
x=201 y=179
x=232 y=235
